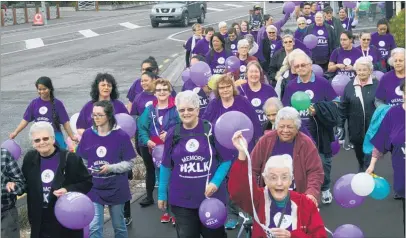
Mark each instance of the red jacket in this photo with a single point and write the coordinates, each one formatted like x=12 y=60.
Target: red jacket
x=307 y=167
x=309 y=223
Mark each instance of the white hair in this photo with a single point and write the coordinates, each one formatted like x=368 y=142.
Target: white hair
x=222 y=24
x=319 y=13
x=242 y=43
x=302 y=56
x=288 y=36
x=364 y=61
x=272 y=27
x=273 y=101
x=279 y=161
x=40 y=127
x=288 y=113
x=301 y=19
x=394 y=52
x=187 y=97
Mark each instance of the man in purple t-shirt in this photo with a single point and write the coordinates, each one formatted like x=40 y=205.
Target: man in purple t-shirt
x=203 y=45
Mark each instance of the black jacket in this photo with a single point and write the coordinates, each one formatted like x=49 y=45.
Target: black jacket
x=351 y=109
x=332 y=39
x=71 y=175
x=275 y=65
x=322 y=124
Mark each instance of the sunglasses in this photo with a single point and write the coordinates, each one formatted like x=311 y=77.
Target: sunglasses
x=300 y=66
x=286 y=42
x=161 y=90
x=271 y=32
x=186 y=109
x=38 y=140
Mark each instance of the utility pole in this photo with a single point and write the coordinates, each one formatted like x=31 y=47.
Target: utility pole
x=44 y=12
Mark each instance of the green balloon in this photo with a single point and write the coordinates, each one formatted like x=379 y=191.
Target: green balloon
x=364 y=6
x=300 y=101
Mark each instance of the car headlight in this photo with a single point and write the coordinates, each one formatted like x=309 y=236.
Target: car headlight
x=153 y=10
x=179 y=9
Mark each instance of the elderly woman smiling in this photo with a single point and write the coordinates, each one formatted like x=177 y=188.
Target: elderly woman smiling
x=287 y=139
x=190 y=144
x=282 y=213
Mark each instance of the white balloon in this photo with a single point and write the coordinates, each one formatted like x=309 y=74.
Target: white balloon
x=362 y=184
x=72 y=122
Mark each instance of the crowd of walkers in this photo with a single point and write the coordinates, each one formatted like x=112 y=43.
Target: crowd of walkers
x=290 y=150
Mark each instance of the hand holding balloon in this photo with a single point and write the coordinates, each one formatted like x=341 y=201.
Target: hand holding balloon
x=312 y=111
x=239 y=141
x=60 y=192
x=151 y=144
x=13 y=135
x=340 y=66
x=211 y=188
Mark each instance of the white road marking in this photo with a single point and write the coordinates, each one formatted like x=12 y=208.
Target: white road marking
x=233 y=5
x=215 y=9
x=88 y=33
x=129 y=25
x=34 y=43
x=174 y=55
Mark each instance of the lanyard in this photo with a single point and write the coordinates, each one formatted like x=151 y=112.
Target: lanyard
x=364 y=54
x=283 y=212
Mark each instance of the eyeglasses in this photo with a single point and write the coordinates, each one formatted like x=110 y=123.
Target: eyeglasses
x=289 y=41
x=300 y=66
x=161 y=90
x=366 y=39
x=301 y=23
x=182 y=110
x=271 y=32
x=98 y=115
x=224 y=87
x=274 y=179
x=38 y=140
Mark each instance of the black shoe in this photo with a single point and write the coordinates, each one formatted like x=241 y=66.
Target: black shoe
x=146 y=202
x=128 y=220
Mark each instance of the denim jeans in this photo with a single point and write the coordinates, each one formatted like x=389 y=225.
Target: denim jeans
x=327 y=171
x=117 y=219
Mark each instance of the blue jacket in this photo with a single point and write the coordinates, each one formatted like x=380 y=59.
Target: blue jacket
x=376 y=121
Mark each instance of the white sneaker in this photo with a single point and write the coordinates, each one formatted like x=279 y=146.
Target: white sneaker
x=326 y=197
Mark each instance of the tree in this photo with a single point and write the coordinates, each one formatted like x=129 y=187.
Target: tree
x=397 y=26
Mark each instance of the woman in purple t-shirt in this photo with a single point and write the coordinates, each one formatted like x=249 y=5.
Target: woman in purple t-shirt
x=384 y=41
x=217 y=55
x=244 y=28
x=104 y=87
x=47 y=108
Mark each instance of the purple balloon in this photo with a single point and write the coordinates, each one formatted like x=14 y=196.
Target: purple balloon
x=232 y=64
x=335 y=147
x=186 y=75
x=378 y=75
x=226 y=125
x=127 y=123
x=200 y=73
x=339 y=82
x=349 y=4
x=86 y=232
x=343 y=194
x=310 y=41
x=317 y=70
x=13 y=147
x=297 y=3
x=348 y=231
x=157 y=155
x=288 y=7
x=381 y=5
x=318 y=8
x=74 y=210
x=212 y=213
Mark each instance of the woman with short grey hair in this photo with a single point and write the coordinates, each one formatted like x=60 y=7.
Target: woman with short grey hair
x=50 y=172
x=287 y=139
x=192 y=138
x=243 y=47
x=357 y=106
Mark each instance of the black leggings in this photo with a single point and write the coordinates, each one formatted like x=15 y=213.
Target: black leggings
x=150 y=168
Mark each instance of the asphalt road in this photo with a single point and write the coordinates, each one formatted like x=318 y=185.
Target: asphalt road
x=72 y=60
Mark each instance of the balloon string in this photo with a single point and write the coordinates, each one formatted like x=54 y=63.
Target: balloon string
x=211 y=157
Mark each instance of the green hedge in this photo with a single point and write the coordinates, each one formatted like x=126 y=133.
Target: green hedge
x=397 y=28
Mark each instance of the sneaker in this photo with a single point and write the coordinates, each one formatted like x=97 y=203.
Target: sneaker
x=173 y=221
x=165 y=218
x=231 y=224
x=326 y=197
x=146 y=202
x=128 y=220
x=396 y=196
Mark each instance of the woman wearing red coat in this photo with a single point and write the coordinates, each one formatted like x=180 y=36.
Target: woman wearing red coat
x=281 y=212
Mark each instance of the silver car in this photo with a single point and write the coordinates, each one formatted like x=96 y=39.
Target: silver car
x=178 y=12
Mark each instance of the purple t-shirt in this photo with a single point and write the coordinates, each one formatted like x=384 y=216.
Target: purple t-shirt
x=203 y=99
x=321 y=52
x=319 y=90
x=389 y=89
x=233 y=47
x=216 y=61
x=282 y=148
x=347 y=23
x=135 y=89
x=309 y=19
x=85 y=116
x=40 y=110
x=202 y=47
x=141 y=101
x=190 y=163
x=275 y=215
x=188 y=45
x=272 y=46
x=346 y=57
x=384 y=43
x=391 y=137
x=110 y=188
x=49 y=166
x=257 y=99
x=299 y=34
x=372 y=53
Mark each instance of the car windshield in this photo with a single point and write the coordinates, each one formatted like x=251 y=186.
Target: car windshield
x=183 y=2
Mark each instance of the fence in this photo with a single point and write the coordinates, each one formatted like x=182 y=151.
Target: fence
x=15 y=16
